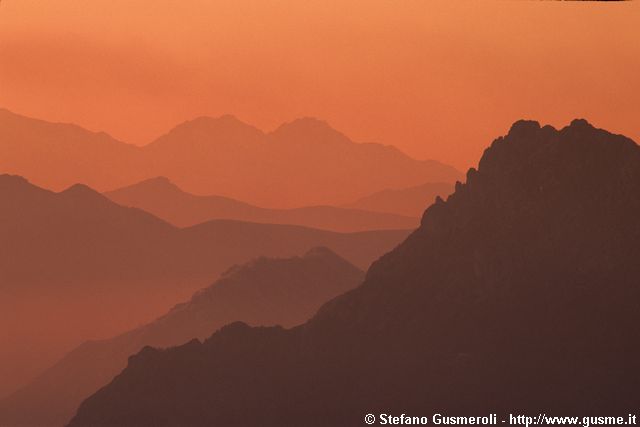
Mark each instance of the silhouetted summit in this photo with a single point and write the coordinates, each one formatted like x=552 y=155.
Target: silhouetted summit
x=84 y=194
x=204 y=133
x=17 y=186
x=321 y=252
x=518 y=293
x=265 y=291
x=308 y=130
x=159 y=182
x=8 y=180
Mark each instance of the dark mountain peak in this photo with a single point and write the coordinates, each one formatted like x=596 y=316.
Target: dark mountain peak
x=306 y=123
x=82 y=192
x=523 y=127
x=207 y=129
x=145 y=352
x=156 y=185
x=539 y=148
x=160 y=184
x=71 y=132
x=531 y=162
x=581 y=123
x=320 y=252
x=323 y=256
x=234 y=328
x=162 y=181
x=226 y=120
x=243 y=337
x=264 y=265
x=17 y=189
x=281 y=276
x=4 y=112
x=308 y=129
x=13 y=181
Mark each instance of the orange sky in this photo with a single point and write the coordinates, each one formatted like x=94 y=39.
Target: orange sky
x=437 y=79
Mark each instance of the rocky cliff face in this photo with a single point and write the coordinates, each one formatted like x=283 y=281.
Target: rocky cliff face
x=518 y=293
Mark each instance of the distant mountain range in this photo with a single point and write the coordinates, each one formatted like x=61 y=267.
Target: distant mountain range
x=410 y=201
x=75 y=265
x=518 y=294
x=164 y=199
x=265 y=291
x=302 y=163
x=59 y=155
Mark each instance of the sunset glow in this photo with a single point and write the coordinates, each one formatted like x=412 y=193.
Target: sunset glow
x=436 y=79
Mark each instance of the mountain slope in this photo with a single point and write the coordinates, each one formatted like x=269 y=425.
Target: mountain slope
x=74 y=265
x=164 y=199
x=266 y=291
x=303 y=163
x=336 y=170
x=57 y=155
x=519 y=294
x=328 y=167
x=405 y=201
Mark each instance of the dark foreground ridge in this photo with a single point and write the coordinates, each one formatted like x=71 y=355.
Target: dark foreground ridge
x=519 y=293
x=265 y=291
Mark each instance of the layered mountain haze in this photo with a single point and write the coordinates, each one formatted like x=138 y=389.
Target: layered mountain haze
x=164 y=199
x=294 y=213
x=518 y=294
x=58 y=155
x=208 y=156
x=75 y=265
x=265 y=291
x=302 y=163
x=338 y=170
x=404 y=201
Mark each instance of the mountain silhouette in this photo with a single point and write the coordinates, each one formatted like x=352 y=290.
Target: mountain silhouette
x=164 y=199
x=265 y=291
x=405 y=201
x=328 y=168
x=302 y=163
x=58 y=155
x=518 y=294
x=74 y=265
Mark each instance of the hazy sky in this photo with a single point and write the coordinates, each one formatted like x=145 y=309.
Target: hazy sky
x=437 y=79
